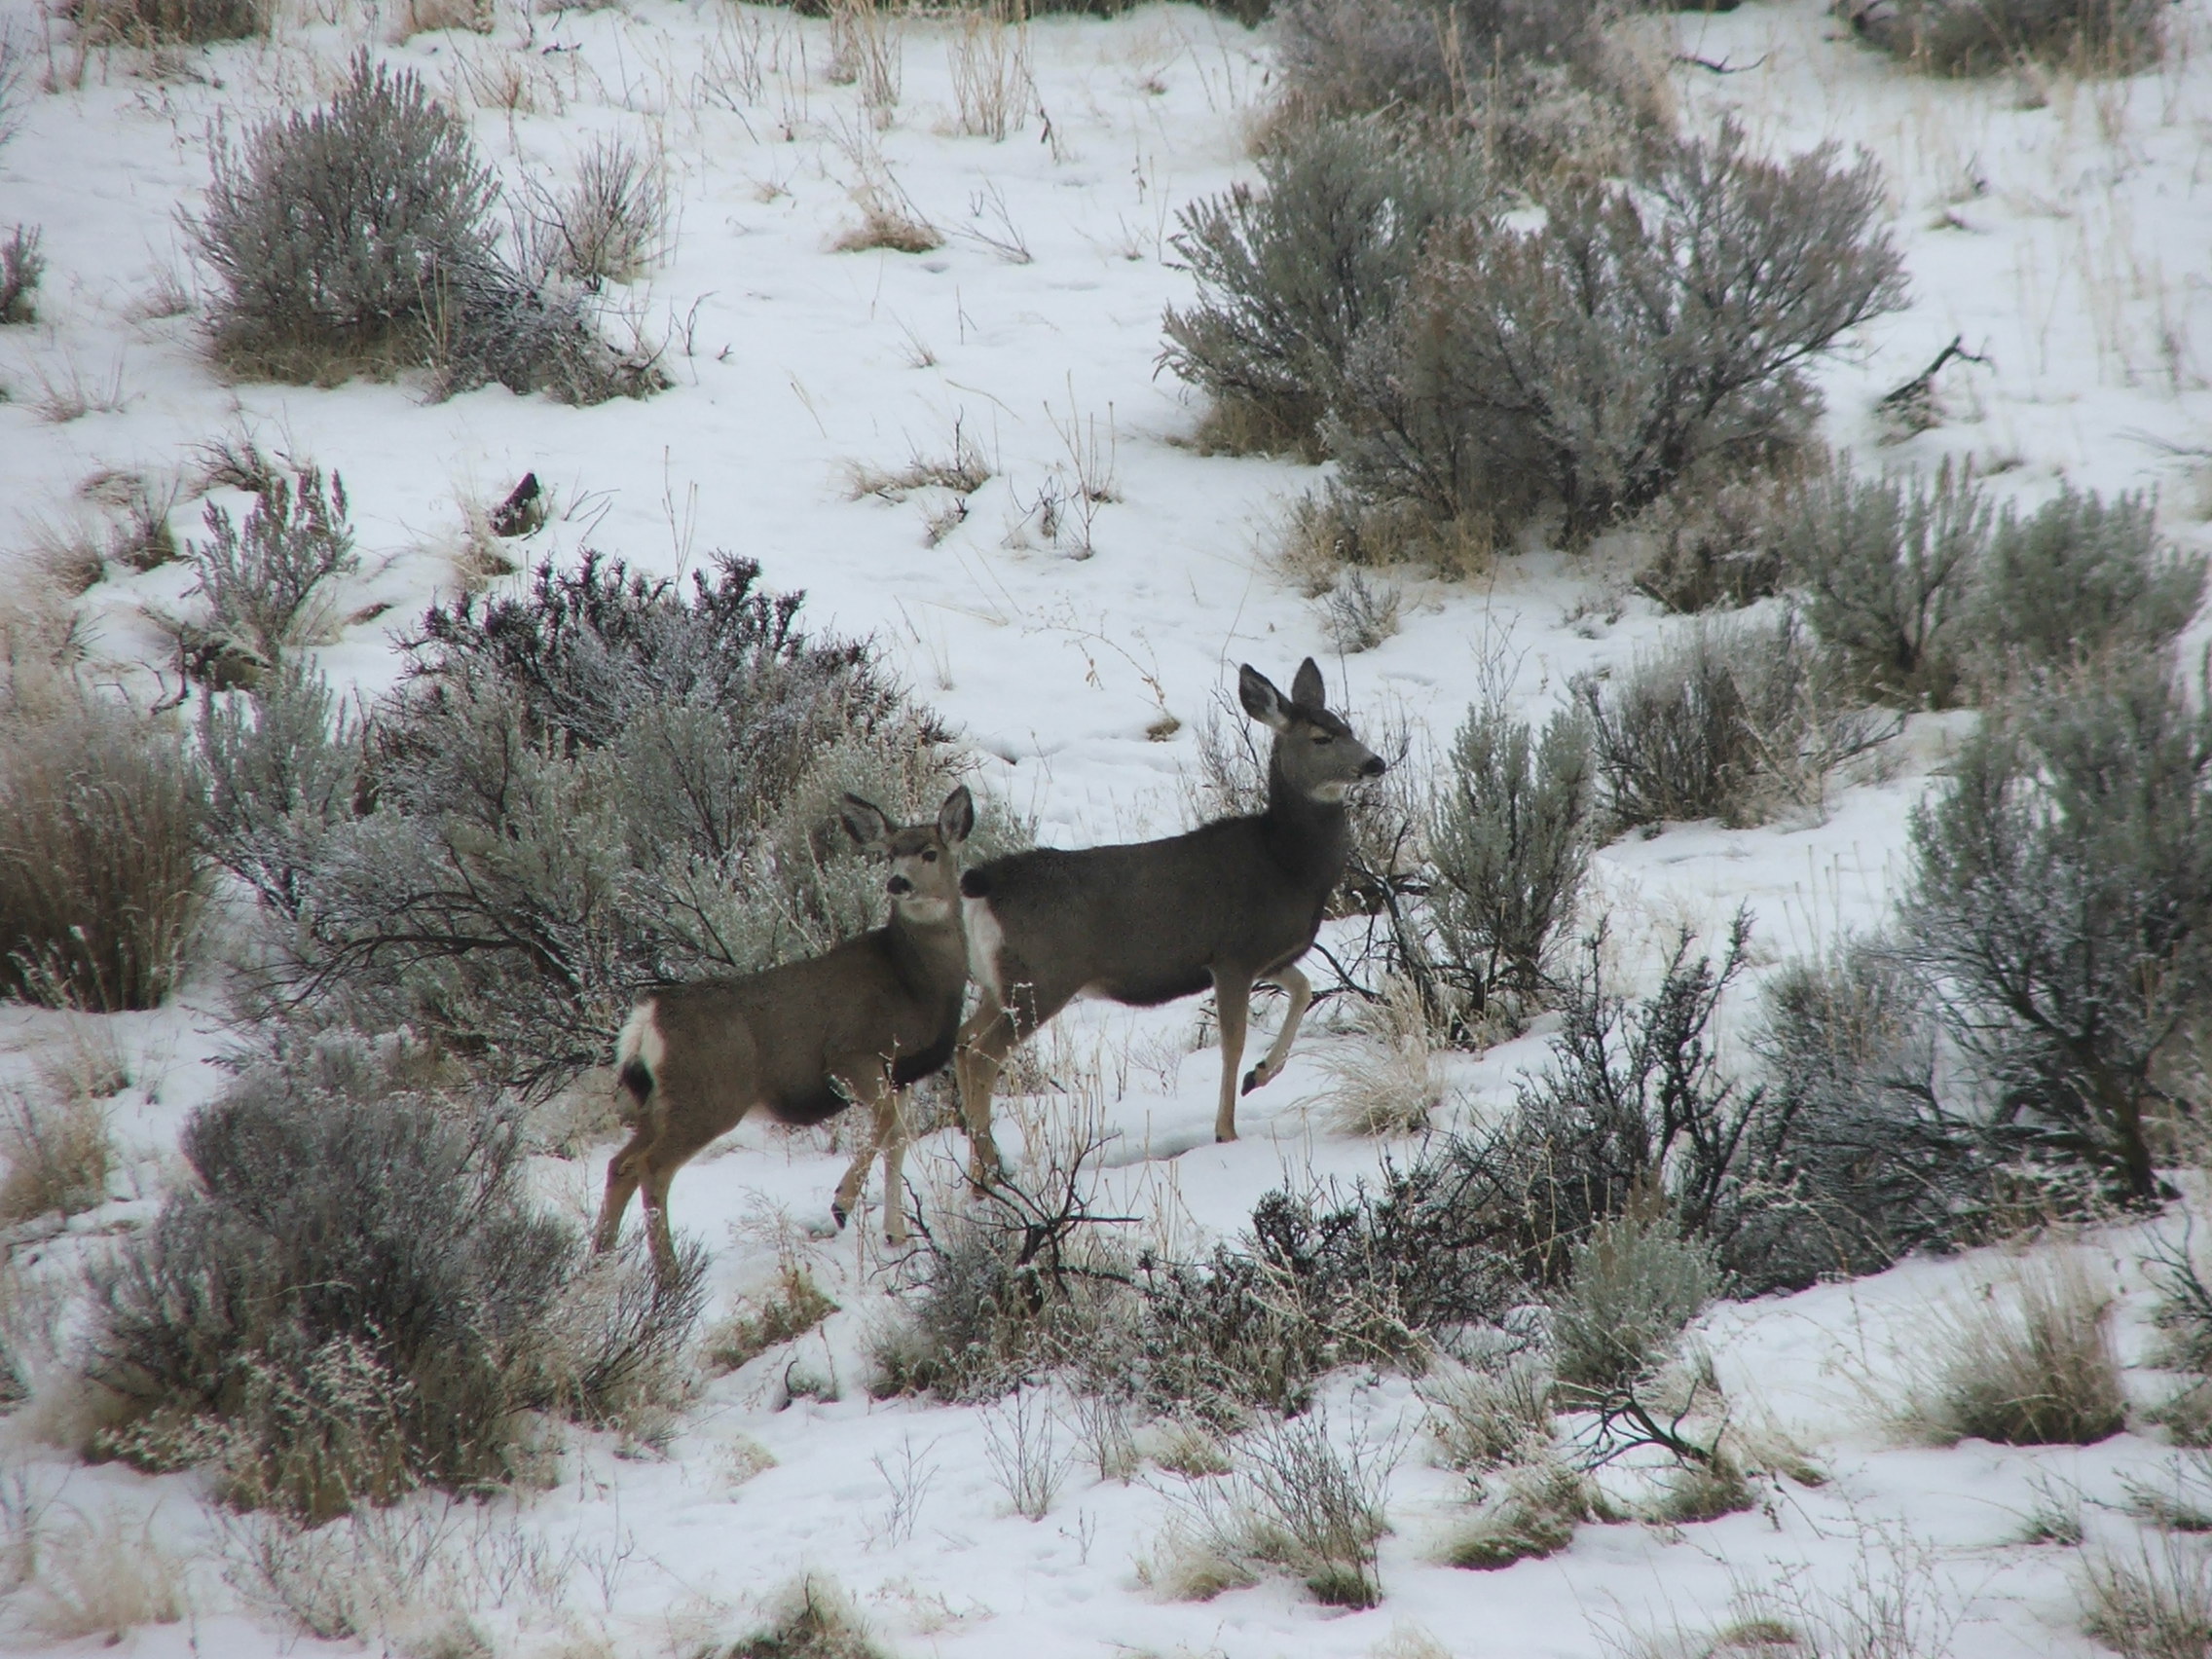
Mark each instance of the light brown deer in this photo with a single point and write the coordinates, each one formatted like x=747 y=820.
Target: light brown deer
x=1230 y=904
x=856 y=1025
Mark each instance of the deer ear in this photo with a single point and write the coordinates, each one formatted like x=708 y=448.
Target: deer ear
x=1261 y=700
x=956 y=818
x=1307 y=691
x=865 y=820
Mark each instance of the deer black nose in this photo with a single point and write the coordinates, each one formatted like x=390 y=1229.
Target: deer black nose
x=1374 y=768
x=899 y=887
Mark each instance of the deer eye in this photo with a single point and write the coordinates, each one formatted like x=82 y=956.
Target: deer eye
x=929 y=855
x=1324 y=737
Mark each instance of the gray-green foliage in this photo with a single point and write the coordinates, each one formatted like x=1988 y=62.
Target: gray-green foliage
x=2077 y=577
x=1735 y=721
x=22 y=266
x=1349 y=56
x=1640 y=330
x=1634 y=1282
x=1981 y=37
x=355 y=1294
x=263 y=580
x=357 y=238
x=1292 y=271
x=600 y=784
x=2062 y=892
x=1508 y=842
x=1887 y=568
x=1858 y=1155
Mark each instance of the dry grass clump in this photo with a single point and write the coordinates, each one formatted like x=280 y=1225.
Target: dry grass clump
x=169 y=22
x=887 y=223
x=1483 y=1416
x=1385 y=1081
x=812 y=1619
x=989 y=54
x=100 y=871
x=103 y=1576
x=2155 y=1606
x=610 y=225
x=1540 y=1503
x=2033 y=1368
x=57 y=1150
x=792 y=1307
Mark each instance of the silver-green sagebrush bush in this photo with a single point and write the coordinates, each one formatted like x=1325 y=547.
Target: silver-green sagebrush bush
x=1982 y=37
x=2062 y=894
x=601 y=783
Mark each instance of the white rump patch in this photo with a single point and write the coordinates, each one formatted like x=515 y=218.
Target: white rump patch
x=641 y=1038
x=986 y=941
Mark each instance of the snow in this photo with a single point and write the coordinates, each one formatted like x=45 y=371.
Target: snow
x=2061 y=235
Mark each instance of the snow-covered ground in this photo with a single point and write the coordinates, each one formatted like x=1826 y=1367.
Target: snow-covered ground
x=2067 y=237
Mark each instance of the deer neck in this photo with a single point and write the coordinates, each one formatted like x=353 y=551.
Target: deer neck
x=929 y=955
x=1311 y=838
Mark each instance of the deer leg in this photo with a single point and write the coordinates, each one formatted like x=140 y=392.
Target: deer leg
x=984 y=1043
x=1231 y=1002
x=656 y=1179
x=1300 y=990
x=848 y=1194
x=622 y=1172
x=892 y=1136
x=869 y=1086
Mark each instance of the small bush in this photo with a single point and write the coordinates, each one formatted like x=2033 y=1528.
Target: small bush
x=812 y=1619
x=1292 y=271
x=1508 y=840
x=2037 y=1369
x=57 y=1151
x=22 y=266
x=100 y=872
x=1718 y=547
x=1887 y=569
x=1981 y=37
x=1022 y=1448
x=610 y=226
x=1301 y=1503
x=264 y=581
x=357 y=238
x=1737 y=722
x=1489 y=1417
x=2062 y=892
x=1637 y=333
x=171 y=23
x=2078 y=579
x=354 y=1296
x=103 y=1576
x=1633 y=1285
x=1360 y=616
x=1856 y=1155
x=2157 y=1606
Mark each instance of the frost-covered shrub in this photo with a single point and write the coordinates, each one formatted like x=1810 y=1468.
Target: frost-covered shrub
x=1736 y=721
x=1291 y=271
x=264 y=580
x=354 y=1294
x=1508 y=844
x=337 y=233
x=599 y=784
x=1856 y=1154
x=1887 y=570
x=1981 y=37
x=1718 y=547
x=2062 y=894
x=171 y=23
x=1590 y=363
x=2080 y=578
x=100 y=871
x=357 y=238
x=1300 y=1502
x=22 y=266
x=1633 y=1284
x=607 y=226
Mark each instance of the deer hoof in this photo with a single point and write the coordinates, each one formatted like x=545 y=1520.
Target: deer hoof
x=837 y=1212
x=1253 y=1079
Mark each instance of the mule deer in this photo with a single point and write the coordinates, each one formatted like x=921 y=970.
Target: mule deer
x=854 y=1025
x=1232 y=904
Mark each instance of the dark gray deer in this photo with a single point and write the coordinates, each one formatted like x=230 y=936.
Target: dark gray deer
x=854 y=1025
x=1230 y=904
